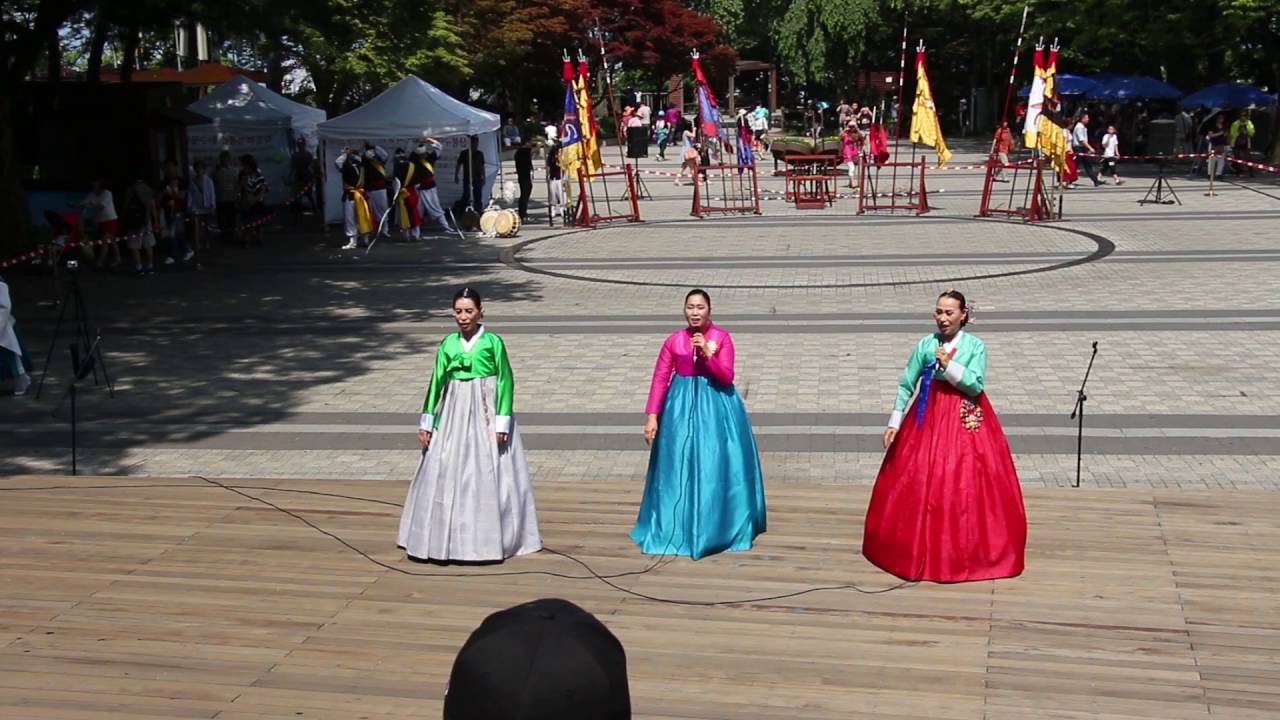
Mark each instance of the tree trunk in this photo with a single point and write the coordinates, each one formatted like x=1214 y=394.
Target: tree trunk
x=13 y=211
x=54 y=56
x=324 y=90
x=129 y=58
x=97 y=44
x=275 y=67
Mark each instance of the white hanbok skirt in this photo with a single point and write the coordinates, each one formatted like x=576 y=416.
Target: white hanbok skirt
x=470 y=500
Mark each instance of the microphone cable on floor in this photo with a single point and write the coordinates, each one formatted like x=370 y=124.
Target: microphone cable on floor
x=606 y=579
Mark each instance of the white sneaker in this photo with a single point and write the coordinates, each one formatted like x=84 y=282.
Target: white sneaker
x=169 y=261
x=351 y=244
x=22 y=384
x=190 y=254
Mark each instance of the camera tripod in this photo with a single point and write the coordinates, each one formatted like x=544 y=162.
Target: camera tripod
x=84 y=336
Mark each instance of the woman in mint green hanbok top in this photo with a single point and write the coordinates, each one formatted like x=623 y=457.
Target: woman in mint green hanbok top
x=946 y=506
x=471 y=499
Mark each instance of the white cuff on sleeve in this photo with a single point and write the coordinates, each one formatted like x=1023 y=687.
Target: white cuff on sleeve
x=426 y=421
x=502 y=423
x=954 y=373
x=895 y=420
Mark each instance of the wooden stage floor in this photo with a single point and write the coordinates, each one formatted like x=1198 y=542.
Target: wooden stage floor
x=193 y=602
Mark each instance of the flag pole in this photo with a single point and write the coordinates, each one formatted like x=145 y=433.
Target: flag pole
x=608 y=89
x=1013 y=70
x=604 y=177
x=911 y=182
x=897 y=121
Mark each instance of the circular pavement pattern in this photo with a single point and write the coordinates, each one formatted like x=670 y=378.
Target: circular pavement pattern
x=828 y=251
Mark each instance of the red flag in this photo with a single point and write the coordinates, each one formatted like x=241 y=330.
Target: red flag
x=708 y=108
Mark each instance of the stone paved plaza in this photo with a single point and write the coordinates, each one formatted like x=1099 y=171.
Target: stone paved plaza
x=301 y=360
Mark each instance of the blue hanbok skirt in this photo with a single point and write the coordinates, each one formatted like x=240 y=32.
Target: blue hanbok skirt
x=704 y=492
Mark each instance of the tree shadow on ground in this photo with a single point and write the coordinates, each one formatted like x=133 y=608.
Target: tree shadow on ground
x=243 y=342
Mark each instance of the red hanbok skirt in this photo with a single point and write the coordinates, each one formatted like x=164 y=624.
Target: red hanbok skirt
x=947 y=506
x=1072 y=173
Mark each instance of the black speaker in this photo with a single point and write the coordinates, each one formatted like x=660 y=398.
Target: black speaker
x=1161 y=137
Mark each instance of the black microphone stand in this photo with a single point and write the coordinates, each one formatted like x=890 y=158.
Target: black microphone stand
x=1077 y=413
x=81 y=367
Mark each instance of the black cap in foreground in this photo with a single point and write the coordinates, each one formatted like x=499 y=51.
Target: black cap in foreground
x=543 y=660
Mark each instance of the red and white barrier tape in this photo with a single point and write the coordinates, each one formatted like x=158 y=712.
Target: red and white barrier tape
x=1257 y=166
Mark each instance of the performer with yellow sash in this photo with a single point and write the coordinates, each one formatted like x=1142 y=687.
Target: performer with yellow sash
x=408 y=215
x=424 y=160
x=356 y=214
x=376 y=182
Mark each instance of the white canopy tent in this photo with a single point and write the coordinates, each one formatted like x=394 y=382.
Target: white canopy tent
x=398 y=118
x=249 y=118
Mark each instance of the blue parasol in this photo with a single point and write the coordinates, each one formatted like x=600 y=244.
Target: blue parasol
x=1133 y=87
x=1067 y=84
x=1228 y=95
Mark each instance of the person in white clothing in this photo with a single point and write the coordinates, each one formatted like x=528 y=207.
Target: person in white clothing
x=15 y=363
x=103 y=205
x=551 y=132
x=1111 y=154
x=760 y=127
x=1083 y=149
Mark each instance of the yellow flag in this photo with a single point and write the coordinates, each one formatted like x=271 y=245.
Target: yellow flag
x=924 y=116
x=1050 y=138
x=590 y=136
x=1052 y=141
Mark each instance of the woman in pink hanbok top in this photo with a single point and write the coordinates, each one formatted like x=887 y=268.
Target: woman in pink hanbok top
x=704 y=492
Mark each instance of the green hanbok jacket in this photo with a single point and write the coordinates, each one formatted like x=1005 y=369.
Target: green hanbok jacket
x=484 y=356
x=964 y=371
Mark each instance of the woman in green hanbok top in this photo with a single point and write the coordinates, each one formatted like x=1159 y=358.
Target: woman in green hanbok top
x=471 y=499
